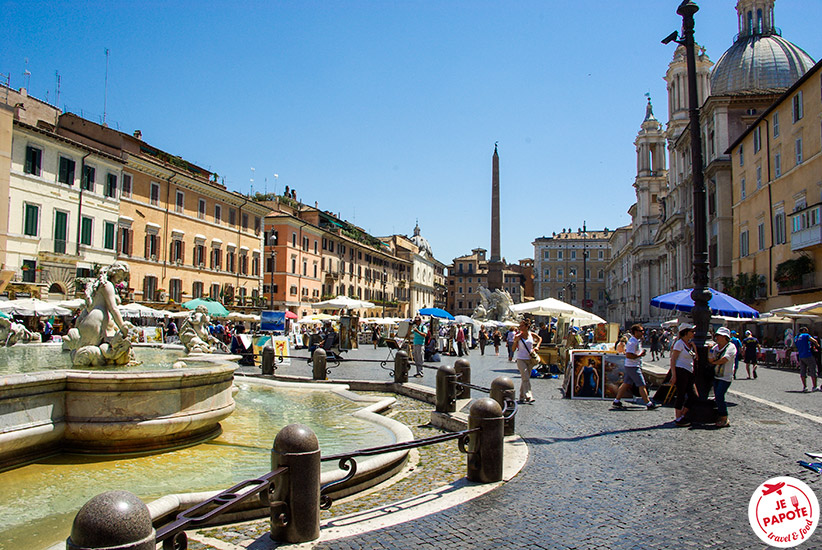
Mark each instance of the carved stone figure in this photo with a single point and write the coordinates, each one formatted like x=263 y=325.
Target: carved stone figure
x=494 y=306
x=194 y=333
x=96 y=340
x=11 y=333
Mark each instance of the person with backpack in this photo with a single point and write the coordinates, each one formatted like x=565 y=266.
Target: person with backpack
x=738 y=345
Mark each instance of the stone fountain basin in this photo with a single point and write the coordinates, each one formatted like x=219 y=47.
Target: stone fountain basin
x=111 y=412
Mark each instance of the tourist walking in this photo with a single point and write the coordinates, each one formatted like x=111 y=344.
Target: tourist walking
x=805 y=346
x=376 y=334
x=497 y=337
x=633 y=370
x=751 y=345
x=682 y=373
x=524 y=342
x=721 y=357
x=418 y=331
x=483 y=340
x=654 y=345
x=738 y=345
x=509 y=340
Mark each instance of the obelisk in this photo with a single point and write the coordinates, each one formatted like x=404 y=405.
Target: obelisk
x=495 y=263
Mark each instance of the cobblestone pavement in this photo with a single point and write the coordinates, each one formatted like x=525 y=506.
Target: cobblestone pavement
x=598 y=478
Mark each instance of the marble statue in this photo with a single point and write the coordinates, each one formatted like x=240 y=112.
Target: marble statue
x=11 y=333
x=96 y=340
x=194 y=333
x=494 y=306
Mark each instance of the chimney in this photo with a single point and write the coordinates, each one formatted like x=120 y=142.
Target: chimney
x=20 y=112
x=138 y=134
x=24 y=93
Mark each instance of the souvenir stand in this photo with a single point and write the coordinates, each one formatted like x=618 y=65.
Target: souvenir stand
x=593 y=374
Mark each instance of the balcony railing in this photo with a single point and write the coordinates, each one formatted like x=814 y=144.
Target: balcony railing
x=809 y=282
x=806 y=227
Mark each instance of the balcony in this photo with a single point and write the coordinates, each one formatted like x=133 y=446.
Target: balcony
x=806 y=229
x=809 y=282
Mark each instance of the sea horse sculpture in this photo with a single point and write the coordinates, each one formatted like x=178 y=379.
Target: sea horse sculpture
x=96 y=339
x=194 y=333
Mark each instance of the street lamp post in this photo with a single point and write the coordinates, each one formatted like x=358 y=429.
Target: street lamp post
x=584 y=264
x=701 y=313
x=272 y=242
x=384 y=278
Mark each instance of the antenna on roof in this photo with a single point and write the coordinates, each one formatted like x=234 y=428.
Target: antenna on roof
x=27 y=74
x=105 y=90
x=251 y=193
x=57 y=98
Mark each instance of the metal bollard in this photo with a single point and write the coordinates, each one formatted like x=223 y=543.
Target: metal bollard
x=114 y=520
x=401 y=367
x=502 y=388
x=463 y=370
x=268 y=360
x=319 y=361
x=446 y=389
x=296 y=447
x=485 y=448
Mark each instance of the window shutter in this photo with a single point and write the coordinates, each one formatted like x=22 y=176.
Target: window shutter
x=148 y=246
x=171 y=251
x=182 y=251
x=130 y=233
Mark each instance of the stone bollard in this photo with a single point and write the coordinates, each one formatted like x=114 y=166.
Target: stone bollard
x=502 y=388
x=485 y=448
x=296 y=447
x=114 y=520
x=268 y=360
x=446 y=389
x=401 y=367
x=463 y=370
x=319 y=361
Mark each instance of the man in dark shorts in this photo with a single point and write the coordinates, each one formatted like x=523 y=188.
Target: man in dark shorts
x=633 y=370
x=751 y=346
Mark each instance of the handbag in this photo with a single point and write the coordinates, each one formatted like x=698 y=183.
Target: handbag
x=534 y=356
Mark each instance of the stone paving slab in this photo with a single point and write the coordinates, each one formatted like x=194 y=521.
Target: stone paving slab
x=598 y=478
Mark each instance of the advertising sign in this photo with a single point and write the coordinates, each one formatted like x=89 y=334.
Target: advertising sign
x=272 y=321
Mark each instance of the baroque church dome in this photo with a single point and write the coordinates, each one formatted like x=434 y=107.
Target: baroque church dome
x=760 y=60
x=421 y=242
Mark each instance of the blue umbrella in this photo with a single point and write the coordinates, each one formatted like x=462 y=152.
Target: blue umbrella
x=436 y=312
x=720 y=303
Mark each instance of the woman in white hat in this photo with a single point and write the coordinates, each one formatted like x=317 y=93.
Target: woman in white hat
x=722 y=356
x=682 y=372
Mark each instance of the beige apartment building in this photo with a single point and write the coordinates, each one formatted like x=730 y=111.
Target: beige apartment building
x=468 y=273
x=777 y=199
x=183 y=234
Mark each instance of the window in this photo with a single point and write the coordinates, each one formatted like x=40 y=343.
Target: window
x=149 y=288
x=294 y=240
x=60 y=231
x=216 y=258
x=89 y=178
x=316 y=246
x=257 y=222
x=65 y=173
x=760 y=232
x=757 y=139
x=154 y=195
x=798 y=110
x=547 y=274
x=111 y=185
x=125 y=241
x=152 y=246
x=546 y=254
x=244 y=219
x=759 y=177
x=126 y=186
x=175 y=290
x=218 y=213
x=201 y=209
x=742 y=192
x=601 y=254
x=177 y=250
x=777 y=165
x=34 y=158
x=85 y=230
x=573 y=254
x=32 y=220
x=29 y=271
x=199 y=255
x=197 y=290
x=799 y=151
x=108 y=235
x=559 y=254
x=776 y=125
x=743 y=243
x=214 y=293
x=179 y=202
x=779 y=228
x=741 y=155
x=294 y=265
x=229 y=262
x=255 y=265
x=559 y=274
x=232 y=217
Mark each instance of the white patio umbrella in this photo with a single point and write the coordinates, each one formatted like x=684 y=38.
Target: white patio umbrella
x=812 y=309
x=76 y=303
x=343 y=302
x=237 y=316
x=28 y=307
x=139 y=310
x=557 y=308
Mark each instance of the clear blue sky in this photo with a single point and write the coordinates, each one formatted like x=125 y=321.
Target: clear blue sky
x=386 y=112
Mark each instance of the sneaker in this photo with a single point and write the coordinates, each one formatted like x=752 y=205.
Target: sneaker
x=806 y=390
x=754 y=375
x=682 y=423
x=650 y=405
x=617 y=404
x=418 y=375
x=521 y=401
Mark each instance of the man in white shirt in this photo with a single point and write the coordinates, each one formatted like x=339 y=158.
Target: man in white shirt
x=633 y=370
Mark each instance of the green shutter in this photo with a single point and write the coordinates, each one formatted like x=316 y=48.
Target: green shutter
x=31 y=222
x=85 y=233
x=108 y=236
